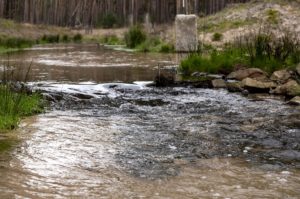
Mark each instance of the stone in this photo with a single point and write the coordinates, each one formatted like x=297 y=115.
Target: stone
x=287 y=155
x=249 y=72
x=295 y=101
x=253 y=85
x=281 y=76
x=219 y=83
x=271 y=144
x=234 y=87
x=199 y=74
x=186 y=33
x=291 y=88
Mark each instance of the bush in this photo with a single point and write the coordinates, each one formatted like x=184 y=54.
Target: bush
x=13 y=42
x=50 y=38
x=167 y=48
x=108 y=21
x=77 y=37
x=65 y=38
x=134 y=37
x=217 y=36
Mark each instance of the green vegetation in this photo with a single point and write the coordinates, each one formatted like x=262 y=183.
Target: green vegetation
x=65 y=38
x=217 y=62
x=138 y=39
x=50 y=39
x=262 y=50
x=211 y=26
x=108 y=21
x=273 y=16
x=167 y=48
x=11 y=43
x=154 y=44
x=217 y=36
x=14 y=106
x=77 y=38
x=134 y=37
x=111 y=40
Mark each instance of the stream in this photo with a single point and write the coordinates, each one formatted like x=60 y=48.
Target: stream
x=108 y=134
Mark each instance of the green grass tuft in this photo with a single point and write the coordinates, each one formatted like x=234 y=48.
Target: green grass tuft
x=135 y=36
x=111 y=40
x=14 y=106
x=217 y=36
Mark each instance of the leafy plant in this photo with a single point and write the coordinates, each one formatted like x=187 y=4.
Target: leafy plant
x=217 y=36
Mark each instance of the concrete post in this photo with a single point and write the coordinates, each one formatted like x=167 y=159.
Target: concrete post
x=186 y=33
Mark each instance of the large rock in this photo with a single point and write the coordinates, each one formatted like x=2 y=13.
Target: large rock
x=255 y=73
x=295 y=101
x=186 y=33
x=219 y=83
x=281 y=76
x=256 y=86
x=291 y=88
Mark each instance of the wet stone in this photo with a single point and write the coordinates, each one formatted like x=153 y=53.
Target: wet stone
x=271 y=144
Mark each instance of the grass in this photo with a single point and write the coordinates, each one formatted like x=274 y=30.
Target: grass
x=14 y=106
x=262 y=50
x=273 y=16
x=211 y=26
x=111 y=40
x=216 y=62
x=217 y=36
x=134 y=37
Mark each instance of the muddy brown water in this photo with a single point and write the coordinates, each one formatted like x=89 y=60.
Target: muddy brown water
x=133 y=141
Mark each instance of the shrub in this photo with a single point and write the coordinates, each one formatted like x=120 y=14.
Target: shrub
x=50 y=38
x=134 y=37
x=217 y=36
x=77 y=37
x=108 y=21
x=65 y=38
x=167 y=48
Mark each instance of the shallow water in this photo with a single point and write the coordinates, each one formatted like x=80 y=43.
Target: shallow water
x=84 y=62
x=118 y=140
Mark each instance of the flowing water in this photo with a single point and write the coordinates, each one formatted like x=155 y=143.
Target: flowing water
x=106 y=139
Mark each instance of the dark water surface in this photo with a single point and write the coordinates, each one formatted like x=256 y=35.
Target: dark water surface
x=124 y=140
